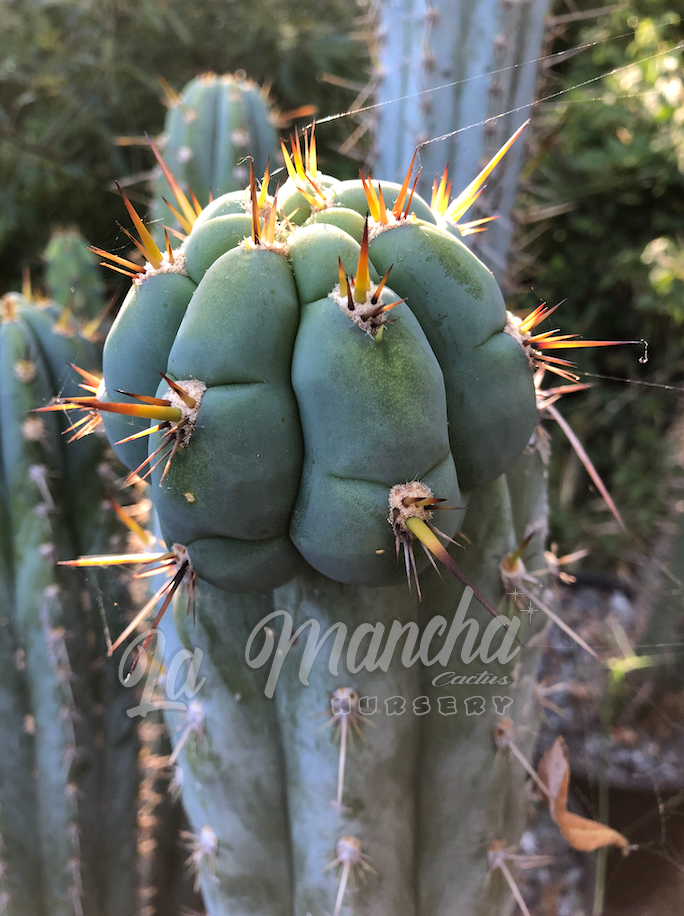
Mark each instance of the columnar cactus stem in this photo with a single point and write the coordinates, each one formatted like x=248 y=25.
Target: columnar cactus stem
x=415 y=765
x=72 y=275
x=18 y=810
x=379 y=802
x=211 y=130
x=483 y=52
x=459 y=761
x=43 y=611
x=74 y=751
x=232 y=776
x=360 y=399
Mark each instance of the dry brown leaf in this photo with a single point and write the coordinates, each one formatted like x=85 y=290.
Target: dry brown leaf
x=580 y=832
x=554 y=772
x=586 y=835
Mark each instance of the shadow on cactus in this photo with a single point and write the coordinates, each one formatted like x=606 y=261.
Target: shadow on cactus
x=324 y=388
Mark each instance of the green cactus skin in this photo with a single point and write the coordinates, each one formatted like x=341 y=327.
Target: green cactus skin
x=233 y=780
x=208 y=242
x=313 y=252
x=351 y=194
x=254 y=322
x=481 y=55
x=59 y=343
x=379 y=799
x=446 y=287
x=68 y=797
x=424 y=794
x=210 y=132
x=136 y=347
x=346 y=219
x=72 y=274
x=342 y=502
x=40 y=611
x=305 y=418
x=470 y=794
x=232 y=204
x=254 y=312
x=463 y=315
x=296 y=207
x=18 y=808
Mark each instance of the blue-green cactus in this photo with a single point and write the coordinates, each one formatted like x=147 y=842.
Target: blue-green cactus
x=72 y=275
x=211 y=130
x=68 y=785
x=317 y=398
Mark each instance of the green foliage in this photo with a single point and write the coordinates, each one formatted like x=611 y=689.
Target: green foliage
x=606 y=182
x=665 y=257
x=75 y=75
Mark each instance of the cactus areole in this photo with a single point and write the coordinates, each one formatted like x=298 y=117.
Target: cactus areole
x=319 y=376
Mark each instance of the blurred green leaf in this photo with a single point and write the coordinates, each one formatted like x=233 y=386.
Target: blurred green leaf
x=77 y=74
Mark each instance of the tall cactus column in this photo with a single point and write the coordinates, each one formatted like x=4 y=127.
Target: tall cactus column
x=72 y=275
x=69 y=765
x=388 y=770
x=463 y=71
x=342 y=396
x=211 y=130
x=231 y=772
x=459 y=762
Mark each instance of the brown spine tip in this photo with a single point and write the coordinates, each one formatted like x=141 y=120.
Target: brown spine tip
x=381 y=286
x=256 y=229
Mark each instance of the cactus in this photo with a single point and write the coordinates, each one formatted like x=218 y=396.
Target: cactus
x=211 y=130
x=339 y=394
x=68 y=787
x=424 y=795
x=465 y=66
x=72 y=275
